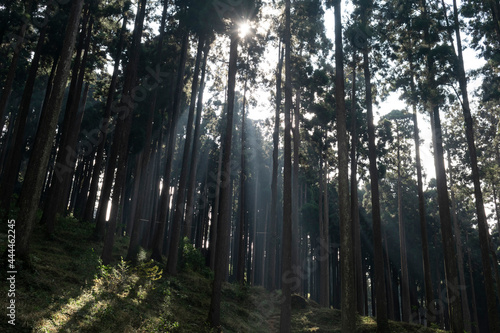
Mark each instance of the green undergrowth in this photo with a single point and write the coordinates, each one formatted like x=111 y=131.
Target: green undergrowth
x=69 y=290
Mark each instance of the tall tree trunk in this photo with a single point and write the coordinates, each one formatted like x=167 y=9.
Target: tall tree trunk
x=67 y=155
x=460 y=257
x=224 y=221
x=405 y=287
x=196 y=145
x=240 y=273
x=123 y=126
x=346 y=227
x=174 y=117
x=451 y=273
x=272 y=235
x=473 y=288
x=295 y=185
x=429 y=297
x=481 y=216
x=36 y=171
x=215 y=213
x=286 y=244
x=11 y=74
x=380 y=292
x=354 y=197
x=103 y=130
x=142 y=169
x=15 y=154
x=323 y=237
x=175 y=231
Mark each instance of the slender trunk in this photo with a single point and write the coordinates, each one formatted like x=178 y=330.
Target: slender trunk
x=36 y=171
x=215 y=213
x=481 y=216
x=11 y=74
x=473 y=288
x=142 y=169
x=174 y=117
x=224 y=221
x=460 y=257
x=388 y=280
x=380 y=292
x=120 y=142
x=349 y=291
x=295 y=184
x=286 y=244
x=323 y=240
x=103 y=130
x=451 y=273
x=429 y=297
x=15 y=154
x=240 y=273
x=271 y=268
x=354 y=197
x=405 y=287
x=196 y=145
x=67 y=155
x=175 y=231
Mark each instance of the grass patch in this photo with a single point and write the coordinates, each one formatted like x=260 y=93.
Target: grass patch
x=69 y=290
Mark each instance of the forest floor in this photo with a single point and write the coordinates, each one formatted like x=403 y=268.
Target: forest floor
x=69 y=290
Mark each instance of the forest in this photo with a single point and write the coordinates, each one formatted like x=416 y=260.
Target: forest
x=250 y=165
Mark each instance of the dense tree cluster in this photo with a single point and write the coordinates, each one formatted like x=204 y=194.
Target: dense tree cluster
x=135 y=116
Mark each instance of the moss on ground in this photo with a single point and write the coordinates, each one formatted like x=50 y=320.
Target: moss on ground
x=69 y=290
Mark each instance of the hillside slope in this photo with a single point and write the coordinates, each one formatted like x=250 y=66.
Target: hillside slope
x=69 y=290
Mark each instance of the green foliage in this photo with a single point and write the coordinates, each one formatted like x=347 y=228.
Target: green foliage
x=193 y=260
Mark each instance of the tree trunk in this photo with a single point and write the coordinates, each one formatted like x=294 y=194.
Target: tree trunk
x=15 y=154
x=123 y=126
x=346 y=227
x=67 y=155
x=240 y=273
x=460 y=257
x=174 y=117
x=473 y=288
x=354 y=197
x=429 y=297
x=405 y=287
x=196 y=145
x=286 y=245
x=380 y=292
x=36 y=171
x=224 y=221
x=272 y=235
x=175 y=232
x=11 y=74
x=103 y=130
x=142 y=169
x=481 y=216
x=215 y=213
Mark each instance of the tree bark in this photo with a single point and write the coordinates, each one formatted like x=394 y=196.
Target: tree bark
x=174 y=117
x=481 y=216
x=240 y=273
x=36 y=171
x=15 y=154
x=102 y=134
x=224 y=221
x=380 y=290
x=348 y=306
x=286 y=245
x=271 y=267
x=123 y=126
x=429 y=297
x=405 y=287
x=175 y=232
